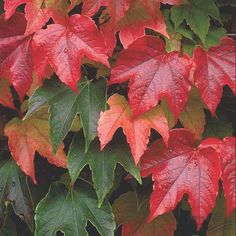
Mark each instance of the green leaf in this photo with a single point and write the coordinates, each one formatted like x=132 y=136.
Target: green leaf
x=9 y=228
x=214 y=35
x=193 y=115
x=14 y=190
x=218 y=128
x=102 y=163
x=196 y=15
x=69 y=210
x=219 y=224
x=65 y=105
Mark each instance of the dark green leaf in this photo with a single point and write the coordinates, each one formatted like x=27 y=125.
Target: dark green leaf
x=102 y=163
x=214 y=35
x=14 y=190
x=69 y=210
x=65 y=105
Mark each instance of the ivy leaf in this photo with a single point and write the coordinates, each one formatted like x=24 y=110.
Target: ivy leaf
x=65 y=105
x=226 y=152
x=214 y=36
x=14 y=190
x=63 y=47
x=38 y=12
x=133 y=217
x=220 y=225
x=214 y=69
x=69 y=210
x=196 y=15
x=16 y=53
x=30 y=135
x=6 y=98
x=137 y=130
x=102 y=164
x=182 y=169
x=168 y=75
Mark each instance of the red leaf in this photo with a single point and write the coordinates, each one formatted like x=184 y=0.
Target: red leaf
x=63 y=47
x=137 y=130
x=25 y=137
x=182 y=169
x=153 y=74
x=16 y=53
x=226 y=150
x=214 y=69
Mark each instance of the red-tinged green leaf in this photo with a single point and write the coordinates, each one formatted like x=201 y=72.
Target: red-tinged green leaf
x=193 y=115
x=63 y=47
x=214 y=69
x=69 y=210
x=5 y=94
x=132 y=215
x=220 y=225
x=16 y=53
x=25 y=137
x=226 y=151
x=182 y=169
x=153 y=74
x=137 y=130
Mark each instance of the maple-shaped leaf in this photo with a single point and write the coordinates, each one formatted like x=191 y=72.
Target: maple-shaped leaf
x=182 y=169
x=213 y=69
x=65 y=105
x=15 y=190
x=102 y=163
x=196 y=15
x=38 y=12
x=220 y=225
x=153 y=74
x=5 y=94
x=132 y=214
x=137 y=130
x=16 y=53
x=227 y=154
x=69 y=210
x=25 y=137
x=63 y=47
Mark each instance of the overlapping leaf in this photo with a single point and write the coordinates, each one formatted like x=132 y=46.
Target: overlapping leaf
x=102 y=164
x=5 y=94
x=182 y=169
x=214 y=69
x=63 y=47
x=65 y=105
x=153 y=74
x=133 y=215
x=137 y=130
x=25 y=137
x=16 y=53
x=69 y=210
x=14 y=189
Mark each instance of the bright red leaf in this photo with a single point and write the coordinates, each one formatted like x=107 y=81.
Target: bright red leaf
x=25 y=137
x=182 y=169
x=137 y=130
x=153 y=74
x=226 y=150
x=63 y=47
x=214 y=69
x=16 y=53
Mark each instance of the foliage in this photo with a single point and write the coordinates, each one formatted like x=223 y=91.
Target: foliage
x=132 y=103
